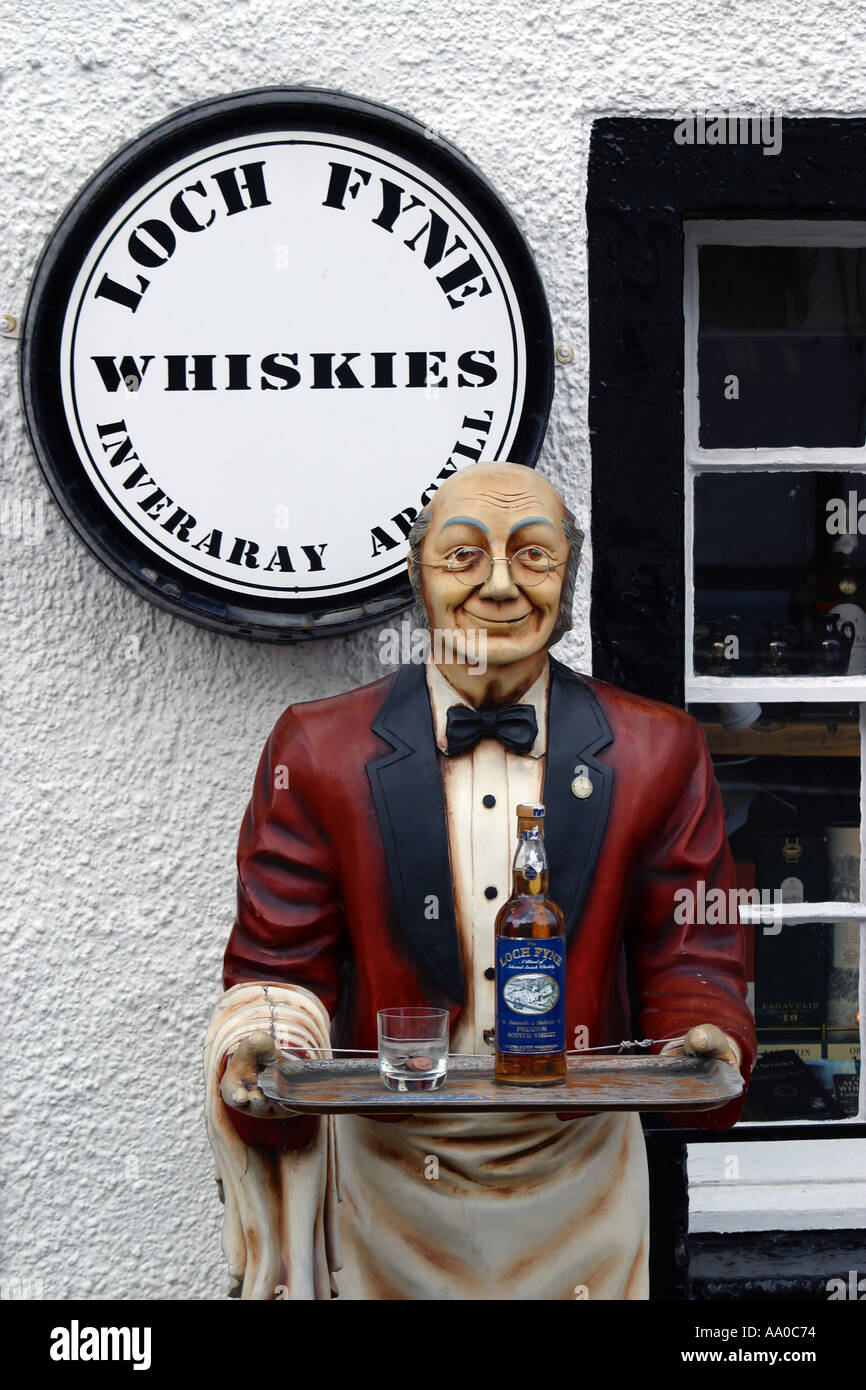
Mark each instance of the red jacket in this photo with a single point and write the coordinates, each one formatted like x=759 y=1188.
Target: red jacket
x=334 y=871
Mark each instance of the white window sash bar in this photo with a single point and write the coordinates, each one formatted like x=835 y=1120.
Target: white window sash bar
x=725 y=690
x=792 y=458
x=790 y=913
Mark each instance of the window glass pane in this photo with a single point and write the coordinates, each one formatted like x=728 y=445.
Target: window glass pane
x=780 y=574
x=795 y=1083
x=791 y=789
x=782 y=346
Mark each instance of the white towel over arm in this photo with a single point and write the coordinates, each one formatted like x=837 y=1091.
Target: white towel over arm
x=280 y=1231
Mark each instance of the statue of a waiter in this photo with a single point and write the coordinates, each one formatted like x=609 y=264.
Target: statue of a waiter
x=373 y=857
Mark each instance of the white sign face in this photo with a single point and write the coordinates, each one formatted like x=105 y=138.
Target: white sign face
x=276 y=350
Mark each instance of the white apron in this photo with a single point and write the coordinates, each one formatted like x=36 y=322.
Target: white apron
x=523 y=1207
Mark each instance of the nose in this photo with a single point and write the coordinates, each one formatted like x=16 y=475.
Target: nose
x=500 y=585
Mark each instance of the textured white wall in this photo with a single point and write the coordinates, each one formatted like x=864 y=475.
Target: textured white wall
x=130 y=738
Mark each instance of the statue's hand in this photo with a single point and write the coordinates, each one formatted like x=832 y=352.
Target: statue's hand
x=240 y=1084
x=706 y=1040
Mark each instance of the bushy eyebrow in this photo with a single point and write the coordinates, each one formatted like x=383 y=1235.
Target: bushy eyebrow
x=531 y=521
x=465 y=521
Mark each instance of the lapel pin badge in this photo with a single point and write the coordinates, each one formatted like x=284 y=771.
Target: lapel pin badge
x=581 y=786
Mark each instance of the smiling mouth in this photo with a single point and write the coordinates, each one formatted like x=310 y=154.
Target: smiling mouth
x=479 y=617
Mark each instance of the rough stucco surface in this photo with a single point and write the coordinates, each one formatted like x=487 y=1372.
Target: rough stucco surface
x=130 y=738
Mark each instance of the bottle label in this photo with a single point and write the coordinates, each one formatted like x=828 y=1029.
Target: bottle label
x=530 y=995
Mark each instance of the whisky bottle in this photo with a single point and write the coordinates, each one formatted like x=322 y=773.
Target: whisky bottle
x=530 y=968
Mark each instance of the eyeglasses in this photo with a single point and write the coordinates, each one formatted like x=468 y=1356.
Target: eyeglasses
x=471 y=565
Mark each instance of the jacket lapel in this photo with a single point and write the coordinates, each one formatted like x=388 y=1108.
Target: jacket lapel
x=410 y=806
x=573 y=828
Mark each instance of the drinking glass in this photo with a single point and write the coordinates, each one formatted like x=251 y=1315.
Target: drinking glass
x=413 y=1048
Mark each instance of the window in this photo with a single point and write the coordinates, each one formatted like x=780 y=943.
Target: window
x=727 y=417
x=775 y=428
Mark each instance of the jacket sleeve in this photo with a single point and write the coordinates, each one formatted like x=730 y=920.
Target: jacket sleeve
x=687 y=956
x=289 y=927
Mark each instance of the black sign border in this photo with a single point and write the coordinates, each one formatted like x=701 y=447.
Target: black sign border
x=260 y=618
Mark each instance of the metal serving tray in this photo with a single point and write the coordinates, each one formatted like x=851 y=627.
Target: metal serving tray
x=352 y=1086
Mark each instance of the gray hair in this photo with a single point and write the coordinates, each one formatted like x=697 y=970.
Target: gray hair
x=570 y=530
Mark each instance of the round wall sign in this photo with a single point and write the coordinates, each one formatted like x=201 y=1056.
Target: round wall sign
x=259 y=340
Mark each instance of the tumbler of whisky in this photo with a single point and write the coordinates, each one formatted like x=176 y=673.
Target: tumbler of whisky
x=530 y=967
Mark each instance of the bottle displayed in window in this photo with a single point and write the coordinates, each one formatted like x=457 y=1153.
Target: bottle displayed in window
x=791 y=961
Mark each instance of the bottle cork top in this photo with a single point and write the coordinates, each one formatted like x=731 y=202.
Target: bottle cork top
x=535 y=811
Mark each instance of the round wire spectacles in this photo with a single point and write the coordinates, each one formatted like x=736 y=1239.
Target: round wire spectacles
x=471 y=565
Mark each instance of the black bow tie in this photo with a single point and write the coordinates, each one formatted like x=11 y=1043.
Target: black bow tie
x=514 y=725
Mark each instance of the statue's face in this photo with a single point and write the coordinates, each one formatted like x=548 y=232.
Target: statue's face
x=501 y=509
